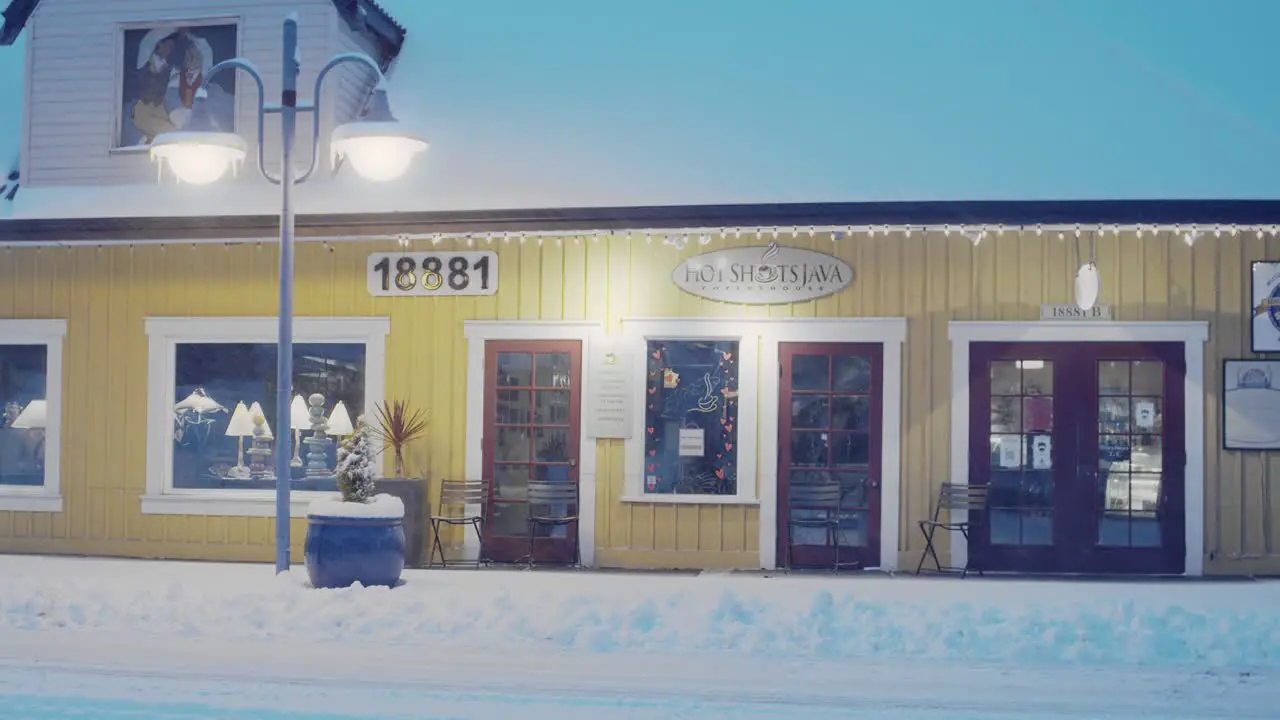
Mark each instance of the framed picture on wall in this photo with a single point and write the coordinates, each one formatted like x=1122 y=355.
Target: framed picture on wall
x=1251 y=404
x=160 y=67
x=1264 y=306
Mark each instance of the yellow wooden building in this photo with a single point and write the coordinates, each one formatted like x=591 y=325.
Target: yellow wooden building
x=688 y=378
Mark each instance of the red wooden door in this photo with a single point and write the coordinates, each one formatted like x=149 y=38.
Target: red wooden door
x=1082 y=447
x=531 y=420
x=830 y=409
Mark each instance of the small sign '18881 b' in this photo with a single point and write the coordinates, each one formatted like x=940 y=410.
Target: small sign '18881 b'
x=1071 y=312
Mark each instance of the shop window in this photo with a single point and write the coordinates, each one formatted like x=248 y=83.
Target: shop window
x=224 y=389
x=691 y=417
x=30 y=370
x=212 y=421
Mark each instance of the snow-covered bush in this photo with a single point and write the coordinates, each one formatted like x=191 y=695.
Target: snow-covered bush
x=356 y=469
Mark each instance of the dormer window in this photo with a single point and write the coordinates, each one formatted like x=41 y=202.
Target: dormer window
x=161 y=65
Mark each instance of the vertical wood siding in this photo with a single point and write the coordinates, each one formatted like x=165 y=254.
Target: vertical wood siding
x=105 y=293
x=75 y=76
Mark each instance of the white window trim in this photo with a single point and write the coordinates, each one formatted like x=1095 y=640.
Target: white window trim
x=1193 y=335
x=890 y=333
x=480 y=332
x=165 y=333
x=636 y=333
x=50 y=333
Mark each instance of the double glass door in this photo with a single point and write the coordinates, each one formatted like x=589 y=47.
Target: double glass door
x=1082 y=448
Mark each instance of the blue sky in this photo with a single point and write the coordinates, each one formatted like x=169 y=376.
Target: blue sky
x=565 y=102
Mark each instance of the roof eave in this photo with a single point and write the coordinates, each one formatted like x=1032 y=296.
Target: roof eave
x=1024 y=213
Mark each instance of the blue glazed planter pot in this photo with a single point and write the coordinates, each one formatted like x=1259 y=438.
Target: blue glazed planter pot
x=341 y=551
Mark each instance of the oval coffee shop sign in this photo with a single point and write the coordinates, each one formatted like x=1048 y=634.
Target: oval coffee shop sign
x=767 y=275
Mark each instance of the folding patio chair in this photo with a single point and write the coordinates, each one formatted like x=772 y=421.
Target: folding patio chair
x=452 y=509
x=822 y=497
x=955 y=499
x=552 y=504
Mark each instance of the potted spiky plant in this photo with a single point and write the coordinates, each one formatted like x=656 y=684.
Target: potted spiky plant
x=399 y=425
x=356 y=536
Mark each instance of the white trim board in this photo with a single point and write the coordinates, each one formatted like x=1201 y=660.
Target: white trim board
x=50 y=334
x=760 y=339
x=1193 y=334
x=165 y=333
x=636 y=333
x=478 y=333
x=890 y=333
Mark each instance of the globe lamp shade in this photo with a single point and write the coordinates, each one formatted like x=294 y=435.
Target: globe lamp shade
x=376 y=145
x=198 y=158
x=1087 y=286
x=199 y=152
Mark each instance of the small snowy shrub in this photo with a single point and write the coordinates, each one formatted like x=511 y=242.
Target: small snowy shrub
x=355 y=464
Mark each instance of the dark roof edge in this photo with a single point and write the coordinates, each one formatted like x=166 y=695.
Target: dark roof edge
x=363 y=16
x=1027 y=213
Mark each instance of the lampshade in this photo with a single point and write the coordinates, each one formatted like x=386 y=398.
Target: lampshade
x=299 y=418
x=377 y=145
x=241 y=424
x=200 y=402
x=199 y=153
x=1087 y=286
x=256 y=410
x=340 y=421
x=32 y=416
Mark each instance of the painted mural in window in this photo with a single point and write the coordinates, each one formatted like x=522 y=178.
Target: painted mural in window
x=691 y=417
x=22 y=424
x=162 y=67
x=224 y=419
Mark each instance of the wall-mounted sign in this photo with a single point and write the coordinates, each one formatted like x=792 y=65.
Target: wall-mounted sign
x=1072 y=312
x=767 y=275
x=433 y=273
x=1264 y=328
x=608 y=392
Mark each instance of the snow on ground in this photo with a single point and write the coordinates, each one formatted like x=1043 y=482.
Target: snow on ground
x=468 y=643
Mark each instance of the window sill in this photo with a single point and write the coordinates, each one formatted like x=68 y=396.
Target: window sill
x=690 y=499
x=29 y=501
x=228 y=503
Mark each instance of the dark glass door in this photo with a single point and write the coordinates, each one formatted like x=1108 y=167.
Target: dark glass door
x=531 y=425
x=829 y=426
x=1081 y=445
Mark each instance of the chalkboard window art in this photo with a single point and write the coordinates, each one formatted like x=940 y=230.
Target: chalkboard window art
x=704 y=397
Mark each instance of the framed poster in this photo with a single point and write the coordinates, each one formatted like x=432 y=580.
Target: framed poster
x=1250 y=404
x=1264 y=314
x=161 y=65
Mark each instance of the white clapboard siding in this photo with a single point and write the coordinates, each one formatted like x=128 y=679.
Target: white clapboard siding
x=74 y=75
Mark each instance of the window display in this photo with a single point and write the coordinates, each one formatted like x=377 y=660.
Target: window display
x=691 y=416
x=225 y=424
x=22 y=414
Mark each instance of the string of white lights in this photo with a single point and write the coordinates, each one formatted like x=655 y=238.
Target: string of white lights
x=682 y=237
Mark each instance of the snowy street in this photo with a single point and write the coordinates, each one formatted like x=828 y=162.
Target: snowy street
x=117 y=639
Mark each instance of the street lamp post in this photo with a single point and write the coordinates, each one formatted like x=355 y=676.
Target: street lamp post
x=200 y=153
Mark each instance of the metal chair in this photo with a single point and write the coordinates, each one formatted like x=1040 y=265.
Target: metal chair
x=955 y=499
x=455 y=497
x=552 y=504
x=824 y=497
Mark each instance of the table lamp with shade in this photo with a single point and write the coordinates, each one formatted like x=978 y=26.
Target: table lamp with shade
x=299 y=420
x=261 y=449
x=33 y=417
x=240 y=427
x=340 y=421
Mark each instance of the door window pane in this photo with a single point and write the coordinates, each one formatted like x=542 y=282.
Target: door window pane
x=514 y=369
x=22 y=424
x=851 y=412
x=224 y=419
x=691 y=415
x=1022 y=453
x=810 y=411
x=851 y=373
x=1130 y=452
x=810 y=372
x=551 y=370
